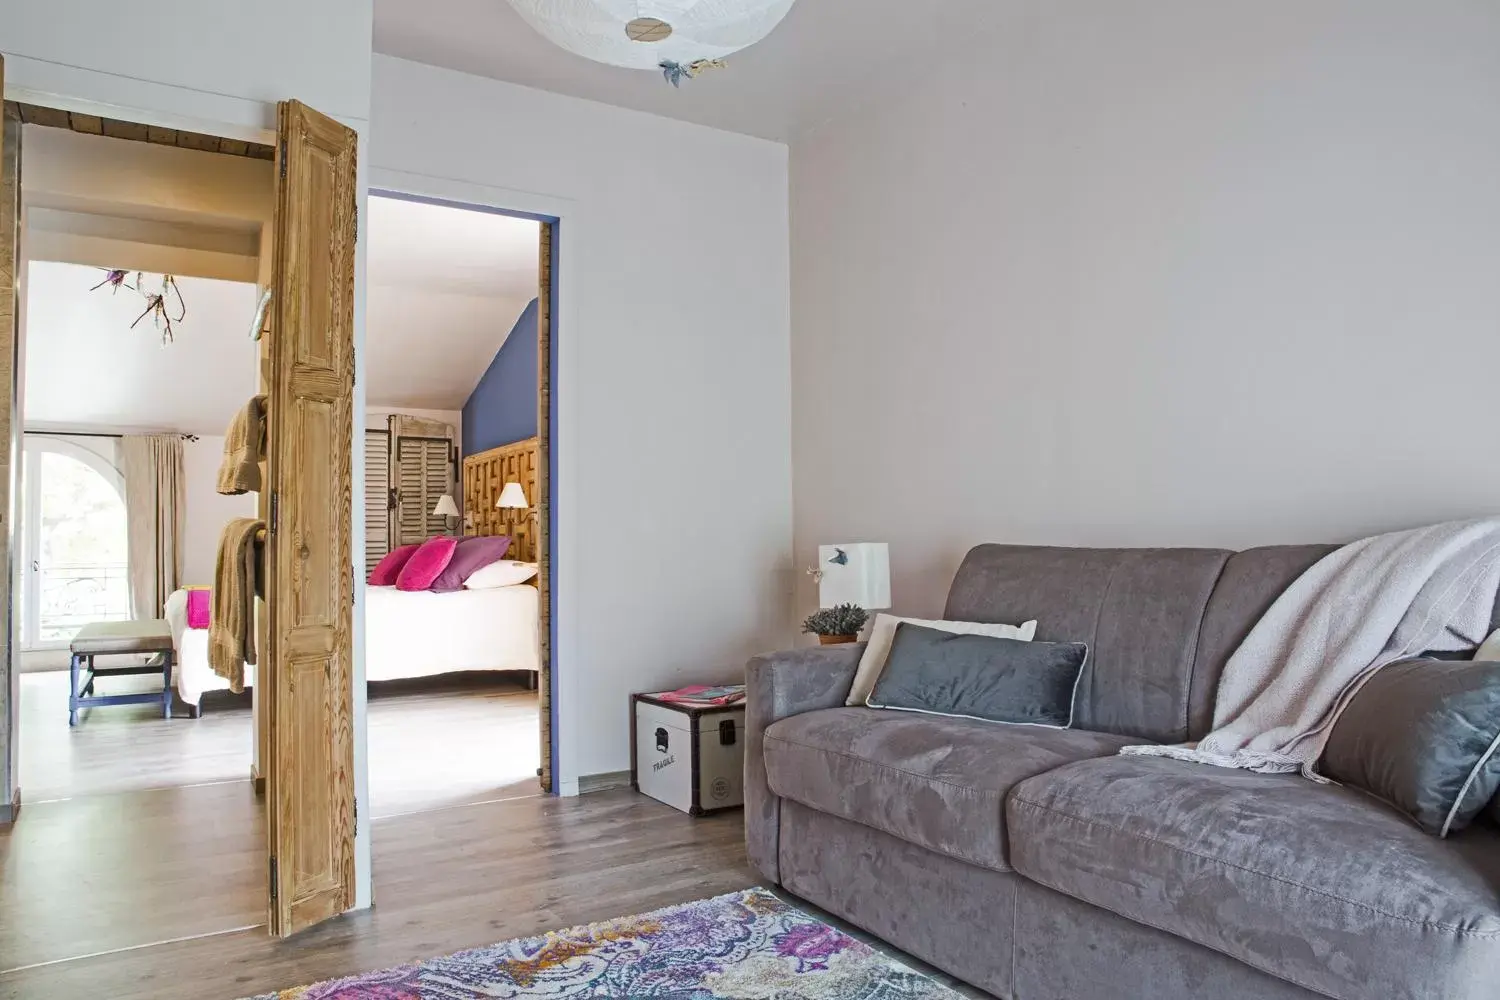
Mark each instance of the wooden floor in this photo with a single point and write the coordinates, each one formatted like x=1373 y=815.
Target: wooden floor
x=137 y=829
x=102 y=872
x=433 y=742
x=444 y=880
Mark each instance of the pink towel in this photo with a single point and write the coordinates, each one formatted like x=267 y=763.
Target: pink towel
x=199 y=602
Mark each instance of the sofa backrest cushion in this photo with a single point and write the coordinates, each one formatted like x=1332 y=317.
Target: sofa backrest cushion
x=1249 y=585
x=1139 y=610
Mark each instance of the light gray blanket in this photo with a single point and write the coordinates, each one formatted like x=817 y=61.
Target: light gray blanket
x=1370 y=603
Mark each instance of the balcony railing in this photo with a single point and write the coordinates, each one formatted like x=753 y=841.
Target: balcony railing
x=72 y=595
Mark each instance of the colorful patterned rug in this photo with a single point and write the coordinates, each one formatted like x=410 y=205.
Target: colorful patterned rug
x=746 y=946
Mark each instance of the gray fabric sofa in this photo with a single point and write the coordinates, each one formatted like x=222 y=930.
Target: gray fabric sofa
x=1036 y=864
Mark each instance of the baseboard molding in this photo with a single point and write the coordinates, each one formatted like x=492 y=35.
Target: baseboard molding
x=10 y=810
x=589 y=783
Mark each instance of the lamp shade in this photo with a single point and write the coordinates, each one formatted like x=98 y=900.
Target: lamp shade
x=855 y=573
x=513 y=496
x=642 y=34
x=445 y=507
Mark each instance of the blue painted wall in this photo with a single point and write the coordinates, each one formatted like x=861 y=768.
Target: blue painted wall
x=502 y=407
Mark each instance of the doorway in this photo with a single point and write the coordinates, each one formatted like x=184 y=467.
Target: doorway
x=451 y=454
x=456 y=363
x=137 y=285
x=295 y=554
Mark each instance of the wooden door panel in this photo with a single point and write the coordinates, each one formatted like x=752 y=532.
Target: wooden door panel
x=10 y=453
x=309 y=585
x=316 y=585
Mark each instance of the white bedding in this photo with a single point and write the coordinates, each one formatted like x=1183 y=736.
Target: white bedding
x=191 y=674
x=407 y=634
x=419 y=634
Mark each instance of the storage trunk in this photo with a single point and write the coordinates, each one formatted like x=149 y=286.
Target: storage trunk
x=692 y=759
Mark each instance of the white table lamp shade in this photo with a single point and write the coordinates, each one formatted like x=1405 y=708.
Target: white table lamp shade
x=445 y=507
x=513 y=496
x=855 y=573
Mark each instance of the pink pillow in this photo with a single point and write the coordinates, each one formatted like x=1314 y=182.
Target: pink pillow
x=427 y=563
x=473 y=553
x=200 y=601
x=385 y=572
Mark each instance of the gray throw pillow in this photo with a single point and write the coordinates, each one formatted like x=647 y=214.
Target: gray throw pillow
x=980 y=677
x=1422 y=735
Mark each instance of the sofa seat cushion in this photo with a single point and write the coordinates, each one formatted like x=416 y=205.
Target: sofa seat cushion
x=1317 y=884
x=933 y=781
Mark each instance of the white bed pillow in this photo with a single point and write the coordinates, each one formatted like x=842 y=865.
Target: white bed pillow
x=504 y=573
x=883 y=632
x=1489 y=652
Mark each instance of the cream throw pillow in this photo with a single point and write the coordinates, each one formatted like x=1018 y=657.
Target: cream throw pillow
x=504 y=573
x=1487 y=653
x=883 y=632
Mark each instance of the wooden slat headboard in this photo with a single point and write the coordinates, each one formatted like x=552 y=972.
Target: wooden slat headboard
x=485 y=475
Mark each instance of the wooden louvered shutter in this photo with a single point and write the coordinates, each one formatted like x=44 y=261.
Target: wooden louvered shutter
x=377 y=497
x=424 y=472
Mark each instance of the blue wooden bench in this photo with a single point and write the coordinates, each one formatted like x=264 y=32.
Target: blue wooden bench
x=133 y=638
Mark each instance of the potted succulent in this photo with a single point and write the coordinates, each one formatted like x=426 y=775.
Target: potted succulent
x=837 y=624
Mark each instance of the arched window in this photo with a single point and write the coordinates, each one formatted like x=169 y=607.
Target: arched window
x=74 y=542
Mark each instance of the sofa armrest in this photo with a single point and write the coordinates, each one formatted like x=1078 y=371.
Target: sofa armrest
x=777 y=686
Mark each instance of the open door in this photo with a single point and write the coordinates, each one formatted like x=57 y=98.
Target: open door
x=309 y=586
x=10 y=451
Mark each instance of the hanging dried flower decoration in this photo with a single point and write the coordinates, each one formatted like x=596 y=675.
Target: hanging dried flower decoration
x=159 y=305
x=115 y=280
x=675 y=72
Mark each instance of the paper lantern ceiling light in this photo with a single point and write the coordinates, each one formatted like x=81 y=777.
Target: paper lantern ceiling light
x=653 y=34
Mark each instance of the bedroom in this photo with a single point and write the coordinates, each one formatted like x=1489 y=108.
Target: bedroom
x=450 y=541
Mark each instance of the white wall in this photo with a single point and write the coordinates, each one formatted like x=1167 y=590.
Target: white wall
x=672 y=374
x=207 y=510
x=1212 y=274
x=178 y=58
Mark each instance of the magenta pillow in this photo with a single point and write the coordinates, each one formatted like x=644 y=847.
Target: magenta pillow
x=385 y=572
x=430 y=559
x=200 y=601
x=472 y=554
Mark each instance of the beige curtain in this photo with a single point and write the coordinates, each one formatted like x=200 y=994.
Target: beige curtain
x=155 y=511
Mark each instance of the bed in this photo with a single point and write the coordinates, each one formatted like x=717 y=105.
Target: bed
x=420 y=634
x=407 y=634
x=191 y=674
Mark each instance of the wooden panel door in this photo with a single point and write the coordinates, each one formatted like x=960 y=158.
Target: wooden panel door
x=309 y=574
x=10 y=453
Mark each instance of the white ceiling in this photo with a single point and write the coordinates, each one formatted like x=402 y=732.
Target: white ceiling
x=85 y=367
x=445 y=286
x=828 y=57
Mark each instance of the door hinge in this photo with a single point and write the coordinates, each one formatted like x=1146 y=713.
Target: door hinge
x=356 y=817
x=275 y=511
x=275 y=879
x=281 y=153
